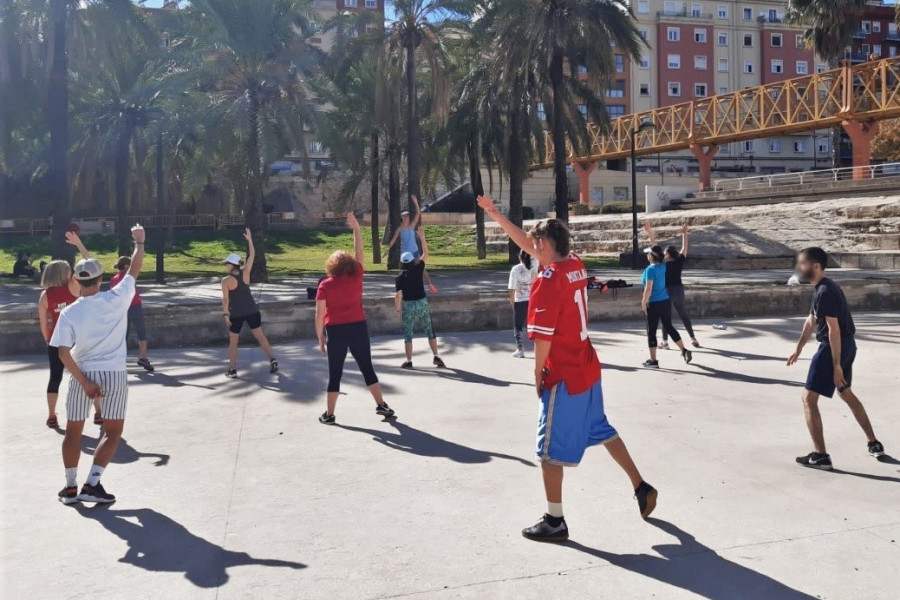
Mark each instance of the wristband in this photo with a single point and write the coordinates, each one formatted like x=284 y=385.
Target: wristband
x=139 y=243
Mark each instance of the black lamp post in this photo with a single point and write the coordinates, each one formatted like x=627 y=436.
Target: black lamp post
x=646 y=124
x=158 y=114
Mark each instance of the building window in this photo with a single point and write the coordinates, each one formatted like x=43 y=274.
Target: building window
x=866 y=49
x=892 y=50
x=696 y=10
x=722 y=12
x=673 y=8
x=774 y=146
x=316 y=147
x=700 y=63
x=350 y=3
x=723 y=90
x=725 y=149
x=620 y=193
x=748 y=40
x=773 y=16
x=371 y=3
x=673 y=34
x=876 y=50
x=876 y=26
x=748 y=146
x=700 y=36
x=748 y=14
x=700 y=90
x=645 y=62
x=643 y=6
x=799 y=146
x=723 y=65
x=582 y=70
x=541 y=111
x=372 y=28
x=748 y=67
x=821 y=68
x=822 y=145
x=617 y=90
x=867 y=26
x=620 y=63
x=892 y=29
x=615 y=111
x=583 y=110
x=802 y=67
x=774 y=94
x=674 y=61
x=644 y=34
x=777 y=66
x=722 y=39
x=799 y=42
x=644 y=89
x=674 y=88
x=776 y=40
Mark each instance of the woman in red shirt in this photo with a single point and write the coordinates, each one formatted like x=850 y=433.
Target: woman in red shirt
x=341 y=323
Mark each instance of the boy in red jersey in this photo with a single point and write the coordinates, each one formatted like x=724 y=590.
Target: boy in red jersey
x=566 y=372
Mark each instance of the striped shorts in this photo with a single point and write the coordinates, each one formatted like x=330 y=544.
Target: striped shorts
x=113 y=403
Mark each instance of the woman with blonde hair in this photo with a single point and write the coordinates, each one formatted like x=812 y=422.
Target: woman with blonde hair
x=341 y=324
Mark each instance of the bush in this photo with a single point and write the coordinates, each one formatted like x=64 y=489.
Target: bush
x=616 y=208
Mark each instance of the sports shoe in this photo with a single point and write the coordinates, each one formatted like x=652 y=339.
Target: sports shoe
x=663 y=346
x=407 y=365
x=651 y=364
x=518 y=353
x=326 y=419
x=231 y=373
x=687 y=355
x=384 y=410
x=646 y=494
x=814 y=460
x=145 y=362
x=68 y=495
x=876 y=449
x=98 y=419
x=549 y=529
x=95 y=493
x=273 y=365
x=438 y=362
x=695 y=343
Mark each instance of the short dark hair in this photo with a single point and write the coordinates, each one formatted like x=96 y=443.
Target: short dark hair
x=554 y=230
x=672 y=251
x=525 y=259
x=816 y=255
x=86 y=283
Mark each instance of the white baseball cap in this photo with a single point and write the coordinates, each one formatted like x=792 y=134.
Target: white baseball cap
x=407 y=257
x=232 y=259
x=87 y=269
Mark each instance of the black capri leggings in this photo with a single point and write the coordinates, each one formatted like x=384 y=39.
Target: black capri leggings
x=676 y=295
x=56 y=370
x=660 y=312
x=355 y=338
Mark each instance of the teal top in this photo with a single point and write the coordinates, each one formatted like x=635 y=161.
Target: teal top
x=657 y=274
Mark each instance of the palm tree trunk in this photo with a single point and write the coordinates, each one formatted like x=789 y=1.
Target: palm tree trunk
x=123 y=148
x=393 y=204
x=375 y=178
x=517 y=170
x=412 y=129
x=561 y=178
x=477 y=190
x=58 y=118
x=253 y=213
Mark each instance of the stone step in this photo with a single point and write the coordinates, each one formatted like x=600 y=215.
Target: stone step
x=876 y=241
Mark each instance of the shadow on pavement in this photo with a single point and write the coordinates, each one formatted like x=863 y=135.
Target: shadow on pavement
x=125 y=454
x=867 y=476
x=888 y=459
x=454 y=374
x=409 y=439
x=731 y=376
x=696 y=568
x=157 y=543
x=167 y=380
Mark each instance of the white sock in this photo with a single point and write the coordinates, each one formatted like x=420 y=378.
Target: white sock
x=94 y=477
x=71 y=476
x=554 y=509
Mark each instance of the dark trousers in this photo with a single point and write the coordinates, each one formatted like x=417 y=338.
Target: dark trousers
x=520 y=315
x=660 y=312
x=676 y=295
x=56 y=370
x=355 y=338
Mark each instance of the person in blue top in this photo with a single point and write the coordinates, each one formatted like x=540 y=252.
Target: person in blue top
x=657 y=305
x=408 y=237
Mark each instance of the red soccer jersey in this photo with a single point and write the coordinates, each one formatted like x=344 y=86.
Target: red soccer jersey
x=557 y=312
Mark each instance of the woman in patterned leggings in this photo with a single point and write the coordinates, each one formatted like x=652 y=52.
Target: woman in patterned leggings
x=411 y=304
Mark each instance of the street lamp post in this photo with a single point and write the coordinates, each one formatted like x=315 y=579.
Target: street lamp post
x=160 y=201
x=646 y=124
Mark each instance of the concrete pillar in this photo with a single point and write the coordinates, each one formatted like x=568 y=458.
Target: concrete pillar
x=861 y=135
x=704 y=159
x=584 y=171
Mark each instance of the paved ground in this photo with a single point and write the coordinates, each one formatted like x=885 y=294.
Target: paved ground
x=231 y=489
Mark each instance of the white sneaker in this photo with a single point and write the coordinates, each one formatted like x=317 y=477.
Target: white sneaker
x=518 y=354
x=664 y=345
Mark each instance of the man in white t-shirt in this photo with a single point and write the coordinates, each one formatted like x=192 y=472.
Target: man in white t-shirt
x=90 y=335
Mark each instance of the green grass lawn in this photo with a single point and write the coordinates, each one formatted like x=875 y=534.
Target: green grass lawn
x=290 y=253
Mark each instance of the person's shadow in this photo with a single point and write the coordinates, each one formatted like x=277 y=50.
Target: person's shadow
x=411 y=440
x=696 y=568
x=125 y=454
x=157 y=543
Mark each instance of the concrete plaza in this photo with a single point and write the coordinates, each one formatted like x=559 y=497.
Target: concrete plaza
x=231 y=489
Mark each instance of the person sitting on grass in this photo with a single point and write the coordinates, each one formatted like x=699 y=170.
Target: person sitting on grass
x=23 y=267
x=411 y=304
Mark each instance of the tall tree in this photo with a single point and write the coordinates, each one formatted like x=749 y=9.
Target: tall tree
x=58 y=119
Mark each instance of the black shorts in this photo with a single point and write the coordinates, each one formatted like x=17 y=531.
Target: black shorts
x=237 y=323
x=821 y=368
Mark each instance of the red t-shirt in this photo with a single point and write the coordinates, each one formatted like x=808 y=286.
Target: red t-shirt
x=58 y=297
x=343 y=298
x=557 y=312
x=114 y=281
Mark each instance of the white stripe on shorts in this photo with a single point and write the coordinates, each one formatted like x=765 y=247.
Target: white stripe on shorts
x=113 y=404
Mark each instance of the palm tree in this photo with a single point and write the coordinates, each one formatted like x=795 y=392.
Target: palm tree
x=549 y=40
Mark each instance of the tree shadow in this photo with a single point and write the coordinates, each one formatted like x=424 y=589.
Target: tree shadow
x=411 y=440
x=731 y=376
x=167 y=380
x=696 y=568
x=157 y=543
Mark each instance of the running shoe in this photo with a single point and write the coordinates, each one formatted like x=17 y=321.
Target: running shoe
x=687 y=355
x=407 y=365
x=815 y=460
x=518 y=354
x=273 y=365
x=695 y=343
x=68 y=495
x=438 y=362
x=326 y=419
x=145 y=362
x=664 y=346
x=95 y=493
x=651 y=364
x=231 y=373
x=52 y=422
x=646 y=494
x=384 y=410
x=876 y=449
x=98 y=419
x=549 y=529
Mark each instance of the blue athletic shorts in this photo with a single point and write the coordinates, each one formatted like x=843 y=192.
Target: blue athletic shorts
x=821 y=368
x=568 y=425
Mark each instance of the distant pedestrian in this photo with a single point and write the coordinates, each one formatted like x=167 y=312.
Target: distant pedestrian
x=411 y=303
x=239 y=307
x=657 y=306
x=521 y=277
x=674 y=259
x=341 y=324
x=135 y=314
x=831 y=367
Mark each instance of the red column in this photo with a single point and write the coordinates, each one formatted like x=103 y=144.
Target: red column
x=704 y=158
x=861 y=135
x=584 y=171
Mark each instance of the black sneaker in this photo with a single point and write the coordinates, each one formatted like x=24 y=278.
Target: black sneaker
x=646 y=494
x=145 y=362
x=687 y=355
x=549 y=529
x=814 y=460
x=876 y=449
x=438 y=362
x=68 y=495
x=326 y=419
x=273 y=365
x=231 y=373
x=384 y=410
x=651 y=364
x=406 y=365
x=95 y=493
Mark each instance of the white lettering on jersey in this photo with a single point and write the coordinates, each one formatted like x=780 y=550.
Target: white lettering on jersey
x=579 y=275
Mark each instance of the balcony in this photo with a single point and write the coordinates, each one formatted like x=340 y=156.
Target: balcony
x=683 y=14
x=892 y=36
x=861 y=34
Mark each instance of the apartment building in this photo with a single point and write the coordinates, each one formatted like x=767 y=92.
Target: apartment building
x=877 y=33
x=703 y=48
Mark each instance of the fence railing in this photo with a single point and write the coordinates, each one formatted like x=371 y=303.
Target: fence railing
x=108 y=224
x=806 y=177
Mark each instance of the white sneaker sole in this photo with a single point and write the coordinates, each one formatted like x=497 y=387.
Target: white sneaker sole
x=68 y=501
x=95 y=499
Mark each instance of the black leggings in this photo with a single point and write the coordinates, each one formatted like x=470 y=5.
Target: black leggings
x=56 y=370
x=355 y=338
x=660 y=312
x=676 y=295
x=520 y=315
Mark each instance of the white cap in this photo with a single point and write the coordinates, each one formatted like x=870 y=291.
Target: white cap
x=232 y=259
x=407 y=257
x=87 y=269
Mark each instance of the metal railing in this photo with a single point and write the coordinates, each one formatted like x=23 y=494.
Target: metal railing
x=805 y=177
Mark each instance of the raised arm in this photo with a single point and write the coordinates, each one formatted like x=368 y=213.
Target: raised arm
x=649 y=229
x=685 y=239
x=418 y=218
x=73 y=239
x=251 y=255
x=516 y=234
x=137 y=258
x=357 y=238
x=421 y=234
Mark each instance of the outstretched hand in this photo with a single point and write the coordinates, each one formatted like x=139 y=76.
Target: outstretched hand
x=248 y=236
x=352 y=222
x=138 y=234
x=647 y=226
x=72 y=238
x=487 y=205
x=685 y=229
